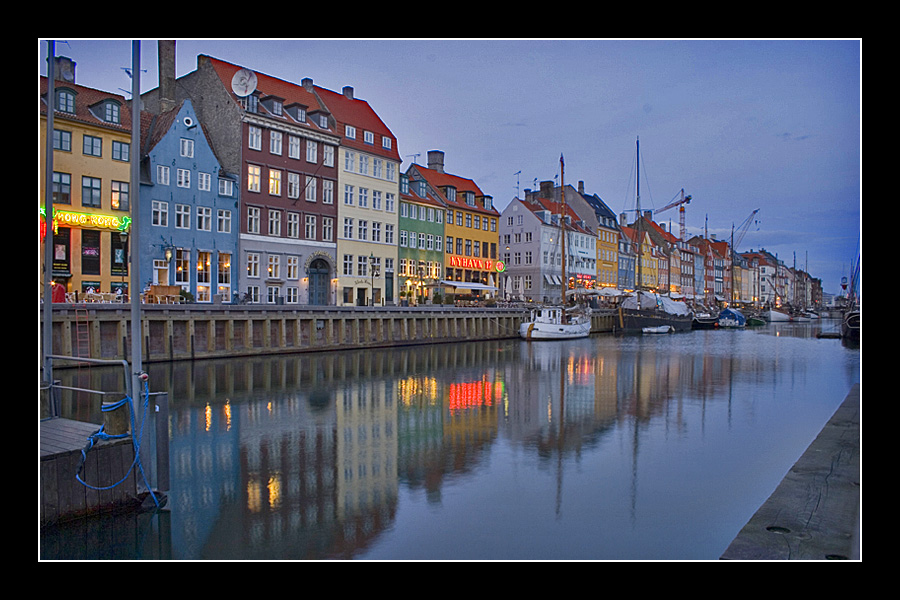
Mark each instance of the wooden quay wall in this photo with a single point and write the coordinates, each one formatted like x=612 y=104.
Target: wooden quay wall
x=196 y=331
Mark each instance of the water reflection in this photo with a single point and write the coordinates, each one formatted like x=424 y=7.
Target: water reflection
x=595 y=448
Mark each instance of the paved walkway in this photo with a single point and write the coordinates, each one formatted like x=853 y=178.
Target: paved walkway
x=814 y=514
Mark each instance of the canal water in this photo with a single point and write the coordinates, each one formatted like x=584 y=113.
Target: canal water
x=654 y=447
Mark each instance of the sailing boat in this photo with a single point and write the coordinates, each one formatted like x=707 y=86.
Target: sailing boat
x=645 y=312
x=558 y=322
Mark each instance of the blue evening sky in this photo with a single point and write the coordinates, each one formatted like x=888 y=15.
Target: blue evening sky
x=773 y=125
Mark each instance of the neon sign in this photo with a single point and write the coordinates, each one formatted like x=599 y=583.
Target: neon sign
x=76 y=219
x=479 y=264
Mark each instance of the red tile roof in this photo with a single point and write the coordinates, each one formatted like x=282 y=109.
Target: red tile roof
x=439 y=181
x=86 y=97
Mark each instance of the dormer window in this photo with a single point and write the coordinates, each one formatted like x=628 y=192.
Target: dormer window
x=488 y=203
x=273 y=104
x=111 y=112
x=250 y=103
x=350 y=132
x=450 y=193
x=386 y=143
x=65 y=101
x=470 y=198
x=296 y=112
x=369 y=137
x=323 y=121
x=404 y=184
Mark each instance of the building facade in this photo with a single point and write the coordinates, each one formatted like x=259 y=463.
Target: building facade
x=282 y=142
x=188 y=210
x=471 y=259
x=91 y=184
x=420 y=241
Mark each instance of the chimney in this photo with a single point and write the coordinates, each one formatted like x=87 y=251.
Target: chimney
x=65 y=69
x=436 y=160
x=581 y=188
x=348 y=92
x=166 y=58
x=307 y=84
x=547 y=190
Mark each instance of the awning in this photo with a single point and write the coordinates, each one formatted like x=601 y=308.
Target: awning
x=468 y=285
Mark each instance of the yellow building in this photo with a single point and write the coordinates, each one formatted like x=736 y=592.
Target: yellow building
x=471 y=264
x=607 y=256
x=91 y=184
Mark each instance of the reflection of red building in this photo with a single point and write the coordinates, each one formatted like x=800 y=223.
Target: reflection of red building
x=463 y=396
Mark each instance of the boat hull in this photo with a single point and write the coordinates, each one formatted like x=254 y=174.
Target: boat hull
x=554 y=331
x=634 y=321
x=775 y=316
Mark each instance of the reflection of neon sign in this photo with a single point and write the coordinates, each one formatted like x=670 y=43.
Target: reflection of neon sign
x=481 y=264
x=476 y=394
x=76 y=219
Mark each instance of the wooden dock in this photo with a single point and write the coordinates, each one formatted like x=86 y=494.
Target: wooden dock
x=62 y=496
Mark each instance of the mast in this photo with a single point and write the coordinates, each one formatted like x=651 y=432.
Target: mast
x=562 y=225
x=640 y=240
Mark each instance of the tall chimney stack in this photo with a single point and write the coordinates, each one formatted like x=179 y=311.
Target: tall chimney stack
x=166 y=51
x=436 y=160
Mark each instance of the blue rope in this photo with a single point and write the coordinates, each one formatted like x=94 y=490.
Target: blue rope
x=136 y=442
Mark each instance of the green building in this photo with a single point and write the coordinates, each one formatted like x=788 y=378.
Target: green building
x=421 y=242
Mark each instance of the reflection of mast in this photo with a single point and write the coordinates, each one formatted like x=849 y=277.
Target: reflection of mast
x=560 y=443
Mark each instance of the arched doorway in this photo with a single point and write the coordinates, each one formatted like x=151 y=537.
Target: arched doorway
x=319 y=282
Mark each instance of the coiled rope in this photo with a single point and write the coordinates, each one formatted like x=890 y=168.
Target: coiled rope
x=135 y=441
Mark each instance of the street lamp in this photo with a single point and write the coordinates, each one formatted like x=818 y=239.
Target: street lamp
x=374 y=275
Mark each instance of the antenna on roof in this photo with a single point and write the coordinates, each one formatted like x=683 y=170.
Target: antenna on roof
x=517 y=173
x=415 y=156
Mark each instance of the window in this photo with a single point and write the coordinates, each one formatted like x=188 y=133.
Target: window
x=348 y=228
x=362 y=266
x=186 y=148
x=274 y=182
x=162 y=175
x=293 y=225
x=224 y=268
x=160 y=214
x=377 y=167
x=293 y=190
x=274 y=222
x=327 y=229
x=204 y=218
x=350 y=132
x=310 y=231
x=253 y=176
x=363 y=164
x=368 y=137
x=328 y=156
x=223 y=221
x=111 y=112
x=348 y=195
x=376 y=199
x=182 y=265
x=90 y=252
x=293 y=146
x=62 y=140
x=348 y=264
x=363 y=229
x=65 y=101
x=274 y=267
x=349 y=159
x=252 y=264
x=327 y=192
x=391 y=171
x=364 y=197
x=183 y=178
x=121 y=151
x=119 y=195
x=376 y=231
x=403 y=242
x=275 y=142
x=204 y=182
x=311 y=151
x=182 y=216
x=386 y=142
x=310 y=189
x=293 y=267
x=253 y=219
x=92 y=146
x=90 y=192
x=62 y=188
x=388 y=233
x=254 y=140
x=389 y=202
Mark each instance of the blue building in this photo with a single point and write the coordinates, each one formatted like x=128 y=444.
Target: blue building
x=188 y=209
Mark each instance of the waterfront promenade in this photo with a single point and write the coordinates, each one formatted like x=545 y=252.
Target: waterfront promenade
x=814 y=514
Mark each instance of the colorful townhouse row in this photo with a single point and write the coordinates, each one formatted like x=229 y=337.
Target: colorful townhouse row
x=255 y=189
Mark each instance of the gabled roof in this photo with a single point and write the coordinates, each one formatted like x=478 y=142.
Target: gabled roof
x=268 y=86
x=432 y=197
x=439 y=181
x=85 y=98
x=358 y=113
x=556 y=208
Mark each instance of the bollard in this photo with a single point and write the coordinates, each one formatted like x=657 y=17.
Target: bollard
x=115 y=420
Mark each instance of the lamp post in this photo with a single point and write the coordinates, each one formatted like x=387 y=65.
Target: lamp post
x=374 y=275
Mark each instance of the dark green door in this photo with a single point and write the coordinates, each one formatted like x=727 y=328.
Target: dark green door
x=319 y=278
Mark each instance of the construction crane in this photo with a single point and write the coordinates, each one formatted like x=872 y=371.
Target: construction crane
x=680 y=204
x=742 y=230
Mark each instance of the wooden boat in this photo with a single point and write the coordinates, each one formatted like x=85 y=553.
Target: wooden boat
x=776 y=316
x=558 y=322
x=732 y=318
x=658 y=329
x=704 y=320
x=754 y=321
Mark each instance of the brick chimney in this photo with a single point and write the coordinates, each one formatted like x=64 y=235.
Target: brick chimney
x=65 y=69
x=436 y=160
x=166 y=58
x=348 y=92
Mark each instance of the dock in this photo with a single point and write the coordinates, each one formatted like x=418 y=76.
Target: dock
x=62 y=496
x=814 y=514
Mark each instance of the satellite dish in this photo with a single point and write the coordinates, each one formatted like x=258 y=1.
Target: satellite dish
x=244 y=82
